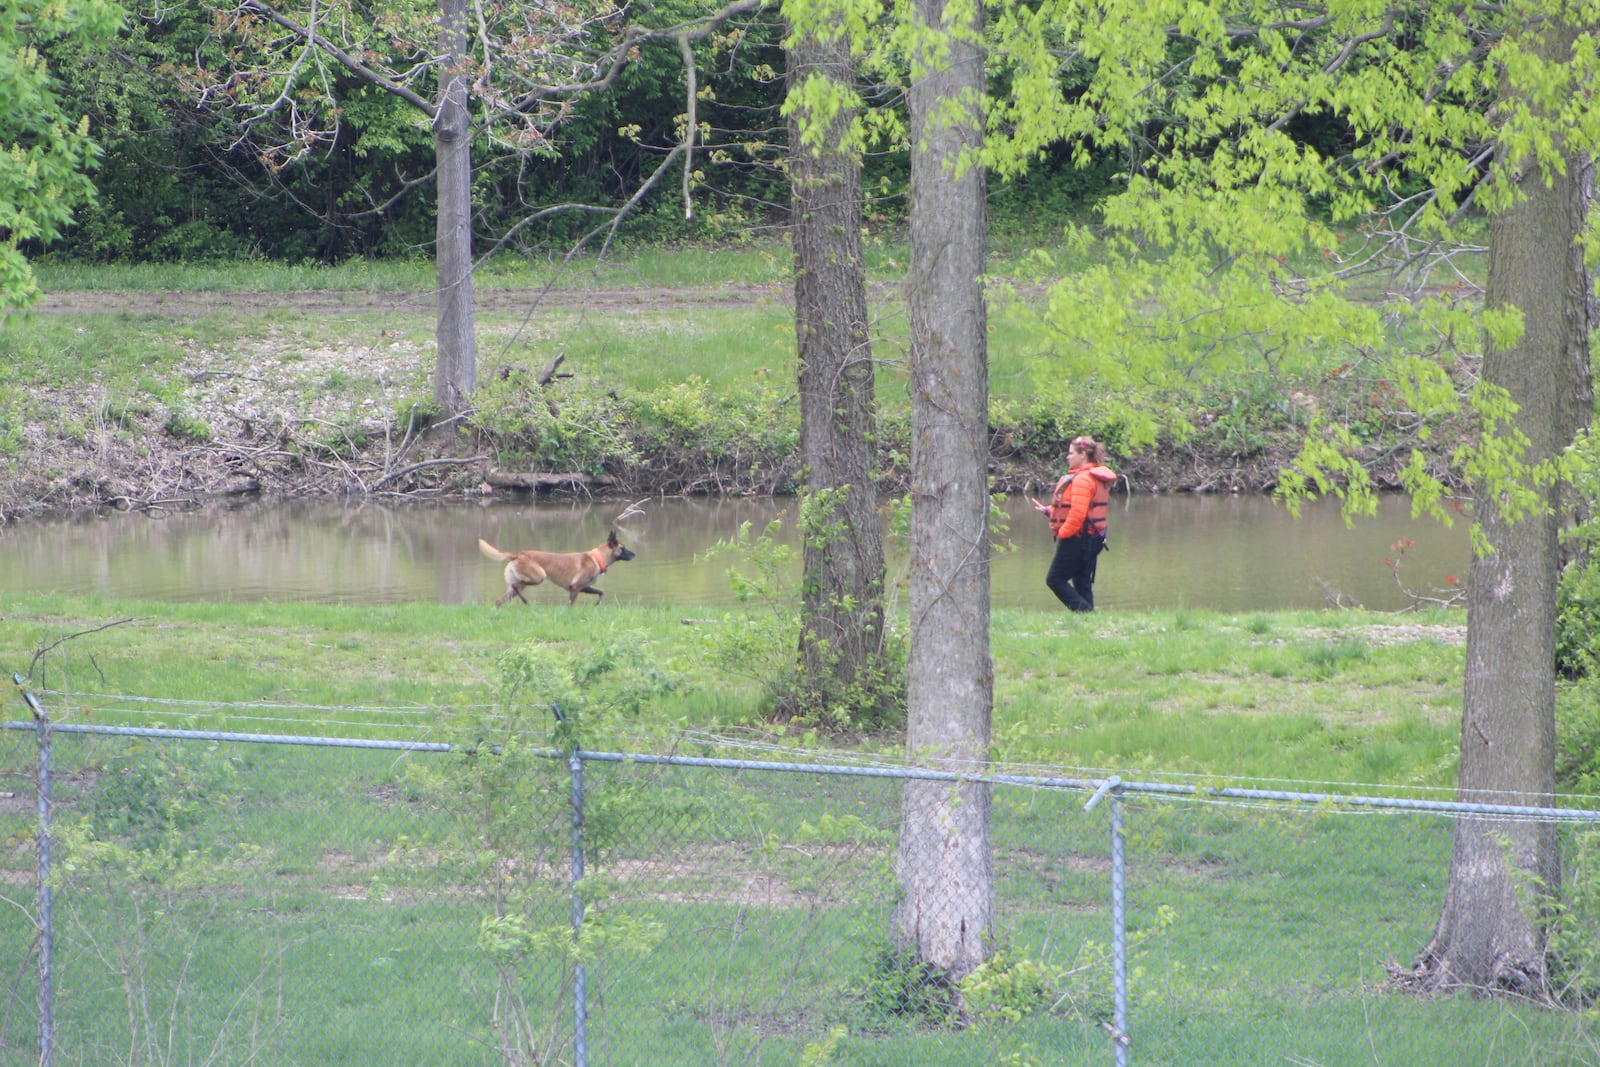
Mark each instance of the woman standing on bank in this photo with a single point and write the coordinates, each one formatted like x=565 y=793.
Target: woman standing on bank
x=1077 y=514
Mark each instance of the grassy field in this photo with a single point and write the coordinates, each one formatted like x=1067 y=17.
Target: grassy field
x=724 y=315
x=327 y=906
x=1347 y=696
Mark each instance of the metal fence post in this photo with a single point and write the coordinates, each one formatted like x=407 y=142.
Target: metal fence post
x=46 y=997
x=1119 y=935
x=580 y=992
x=1119 y=928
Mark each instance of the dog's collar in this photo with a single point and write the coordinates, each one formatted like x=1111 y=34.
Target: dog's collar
x=599 y=559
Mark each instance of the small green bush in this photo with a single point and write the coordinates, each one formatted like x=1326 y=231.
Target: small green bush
x=412 y=415
x=899 y=985
x=1577 y=612
x=1572 y=928
x=563 y=428
x=181 y=423
x=1005 y=989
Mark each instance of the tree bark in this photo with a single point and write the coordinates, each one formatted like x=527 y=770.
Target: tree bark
x=1489 y=934
x=456 y=360
x=944 y=864
x=841 y=620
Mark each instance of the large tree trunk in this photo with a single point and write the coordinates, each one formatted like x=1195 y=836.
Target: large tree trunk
x=1489 y=933
x=946 y=911
x=455 y=373
x=841 y=622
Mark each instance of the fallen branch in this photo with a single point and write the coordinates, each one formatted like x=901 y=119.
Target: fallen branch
x=41 y=653
x=391 y=476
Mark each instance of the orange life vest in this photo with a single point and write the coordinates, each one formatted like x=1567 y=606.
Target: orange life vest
x=1091 y=513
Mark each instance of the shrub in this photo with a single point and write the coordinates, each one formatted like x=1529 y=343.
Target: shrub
x=761 y=644
x=1005 y=989
x=1578 y=633
x=1577 y=605
x=1572 y=925
x=899 y=985
x=183 y=424
x=566 y=428
x=412 y=415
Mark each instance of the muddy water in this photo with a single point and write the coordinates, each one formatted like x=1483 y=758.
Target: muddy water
x=1220 y=552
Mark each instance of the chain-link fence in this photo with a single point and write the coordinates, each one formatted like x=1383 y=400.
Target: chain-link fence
x=216 y=898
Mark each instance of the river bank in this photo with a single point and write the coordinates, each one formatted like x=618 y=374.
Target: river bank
x=317 y=393
x=140 y=460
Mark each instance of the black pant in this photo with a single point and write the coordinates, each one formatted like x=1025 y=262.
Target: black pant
x=1071 y=576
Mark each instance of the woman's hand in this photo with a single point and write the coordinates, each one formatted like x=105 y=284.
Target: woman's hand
x=1042 y=508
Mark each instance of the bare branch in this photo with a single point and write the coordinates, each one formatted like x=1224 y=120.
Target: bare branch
x=355 y=66
x=41 y=653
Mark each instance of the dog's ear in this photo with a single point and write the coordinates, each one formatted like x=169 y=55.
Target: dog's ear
x=612 y=539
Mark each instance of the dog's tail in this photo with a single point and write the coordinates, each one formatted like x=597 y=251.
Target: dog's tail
x=492 y=552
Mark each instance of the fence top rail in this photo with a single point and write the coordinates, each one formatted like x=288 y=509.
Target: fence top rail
x=1097 y=787
x=310 y=740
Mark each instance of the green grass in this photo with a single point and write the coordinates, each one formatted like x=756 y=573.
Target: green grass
x=138 y=353
x=1194 y=692
x=331 y=908
x=755 y=262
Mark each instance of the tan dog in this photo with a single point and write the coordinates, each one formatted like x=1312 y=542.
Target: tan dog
x=573 y=571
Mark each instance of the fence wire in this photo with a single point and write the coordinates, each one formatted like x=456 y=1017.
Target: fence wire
x=249 y=899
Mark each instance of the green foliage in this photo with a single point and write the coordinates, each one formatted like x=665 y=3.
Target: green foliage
x=1572 y=924
x=187 y=425
x=899 y=985
x=506 y=776
x=869 y=692
x=1006 y=988
x=1578 y=595
x=122 y=411
x=758 y=645
x=338 y=440
x=580 y=698
x=150 y=799
x=1281 y=172
x=1578 y=620
x=45 y=153
x=563 y=429
x=412 y=415
x=689 y=416
x=1578 y=628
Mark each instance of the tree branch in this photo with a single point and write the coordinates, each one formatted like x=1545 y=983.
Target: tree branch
x=345 y=59
x=41 y=653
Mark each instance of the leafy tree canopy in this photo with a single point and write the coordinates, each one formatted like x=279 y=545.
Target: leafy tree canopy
x=1305 y=187
x=45 y=155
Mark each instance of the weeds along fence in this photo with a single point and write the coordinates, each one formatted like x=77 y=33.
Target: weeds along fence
x=200 y=897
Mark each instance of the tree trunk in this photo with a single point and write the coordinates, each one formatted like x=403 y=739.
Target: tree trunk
x=1489 y=934
x=946 y=911
x=455 y=373
x=841 y=622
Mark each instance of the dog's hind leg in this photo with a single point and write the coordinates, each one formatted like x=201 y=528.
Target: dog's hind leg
x=517 y=581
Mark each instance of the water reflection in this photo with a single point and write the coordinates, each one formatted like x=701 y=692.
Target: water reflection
x=1228 y=553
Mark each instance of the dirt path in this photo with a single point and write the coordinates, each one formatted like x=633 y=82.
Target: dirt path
x=337 y=301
